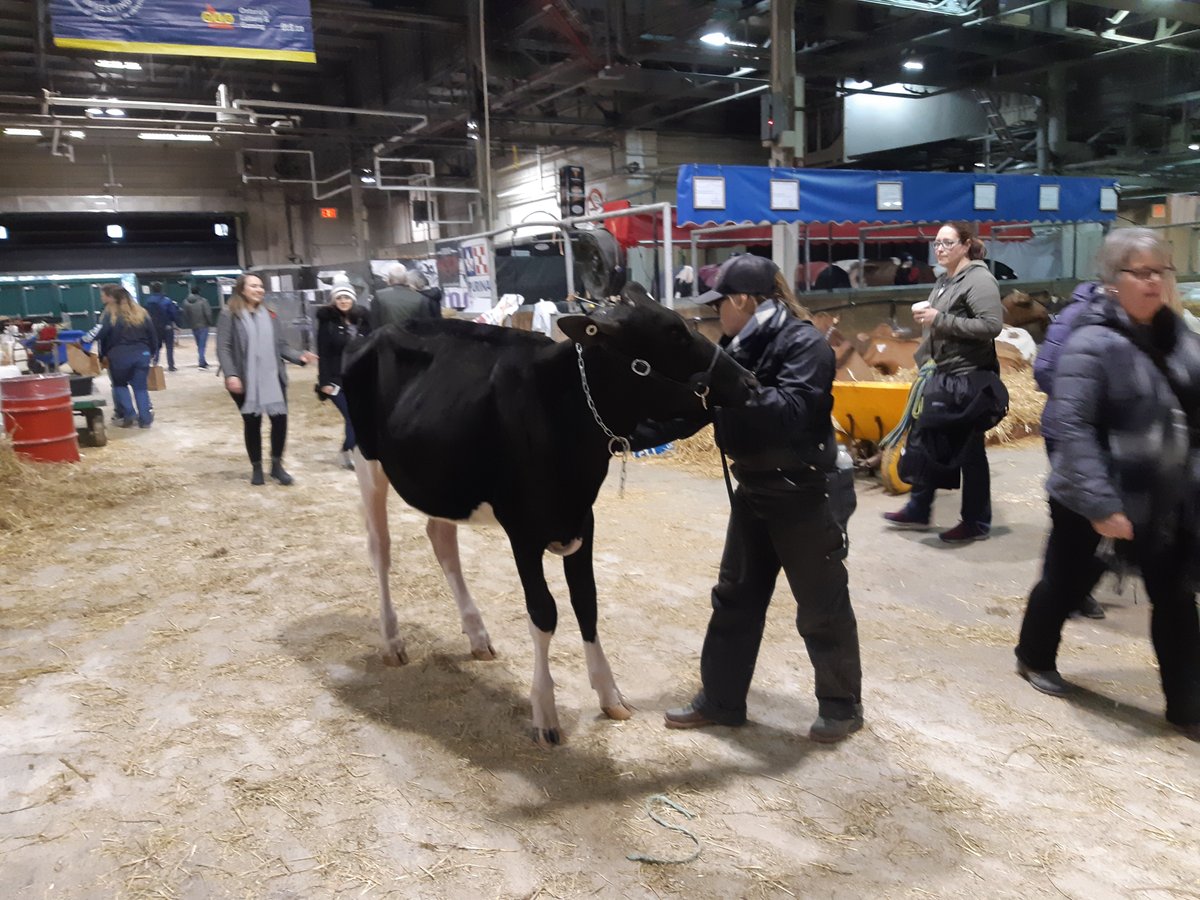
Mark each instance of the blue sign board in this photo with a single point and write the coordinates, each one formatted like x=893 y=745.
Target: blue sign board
x=720 y=194
x=240 y=29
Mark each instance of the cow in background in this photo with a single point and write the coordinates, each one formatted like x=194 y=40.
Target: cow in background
x=477 y=423
x=1022 y=310
x=889 y=350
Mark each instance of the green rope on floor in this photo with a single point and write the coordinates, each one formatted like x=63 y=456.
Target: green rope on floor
x=667 y=801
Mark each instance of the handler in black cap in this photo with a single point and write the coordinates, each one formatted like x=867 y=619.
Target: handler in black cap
x=782 y=447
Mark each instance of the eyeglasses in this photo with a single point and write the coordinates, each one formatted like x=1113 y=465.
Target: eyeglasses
x=944 y=245
x=1146 y=274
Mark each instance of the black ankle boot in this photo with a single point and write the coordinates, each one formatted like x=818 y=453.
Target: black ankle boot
x=256 y=474
x=278 y=473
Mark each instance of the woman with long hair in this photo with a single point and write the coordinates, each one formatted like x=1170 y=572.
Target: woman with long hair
x=128 y=340
x=961 y=321
x=783 y=453
x=250 y=345
x=1125 y=468
x=338 y=323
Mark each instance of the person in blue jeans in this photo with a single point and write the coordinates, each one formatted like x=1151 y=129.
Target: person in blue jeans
x=961 y=322
x=128 y=341
x=164 y=312
x=198 y=316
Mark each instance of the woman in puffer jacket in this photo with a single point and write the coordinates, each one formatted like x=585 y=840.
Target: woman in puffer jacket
x=337 y=324
x=1125 y=467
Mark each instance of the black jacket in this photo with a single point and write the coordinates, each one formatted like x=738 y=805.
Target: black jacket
x=953 y=407
x=785 y=426
x=334 y=332
x=1126 y=407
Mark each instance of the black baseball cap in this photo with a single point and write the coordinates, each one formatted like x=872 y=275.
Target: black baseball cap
x=744 y=274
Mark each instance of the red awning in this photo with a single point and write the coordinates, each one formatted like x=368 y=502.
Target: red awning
x=633 y=230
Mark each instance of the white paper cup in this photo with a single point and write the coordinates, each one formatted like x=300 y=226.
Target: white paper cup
x=923 y=304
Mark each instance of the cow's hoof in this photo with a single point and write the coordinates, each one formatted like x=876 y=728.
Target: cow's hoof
x=620 y=712
x=546 y=737
x=395 y=657
x=488 y=652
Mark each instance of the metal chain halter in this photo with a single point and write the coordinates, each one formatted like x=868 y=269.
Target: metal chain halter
x=614 y=440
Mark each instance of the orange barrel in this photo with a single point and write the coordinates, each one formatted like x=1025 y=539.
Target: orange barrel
x=36 y=410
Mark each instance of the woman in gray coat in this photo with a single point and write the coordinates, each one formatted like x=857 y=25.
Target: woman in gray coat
x=961 y=322
x=250 y=345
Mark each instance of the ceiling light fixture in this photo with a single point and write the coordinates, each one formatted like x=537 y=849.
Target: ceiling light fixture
x=175 y=136
x=116 y=232
x=1194 y=146
x=367 y=179
x=855 y=84
x=94 y=111
x=114 y=111
x=78 y=135
x=118 y=64
x=981 y=165
x=913 y=65
x=23 y=132
x=715 y=39
x=3 y=233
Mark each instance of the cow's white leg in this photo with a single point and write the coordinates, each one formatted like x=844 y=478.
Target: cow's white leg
x=601 y=678
x=541 y=697
x=373 y=486
x=443 y=535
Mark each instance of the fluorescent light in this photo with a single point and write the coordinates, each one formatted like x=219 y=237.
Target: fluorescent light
x=216 y=272
x=1194 y=146
x=175 y=136
x=114 y=111
x=980 y=166
x=220 y=229
x=367 y=179
x=855 y=85
x=3 y=233
x=118 y=64
x=116 y=232
x=78 y=135
x=715 y=39
x=913 y=65
x=94 y=111
x=23 y=132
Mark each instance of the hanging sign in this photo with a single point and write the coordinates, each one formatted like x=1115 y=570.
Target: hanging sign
x=475 y=255
x=257 y=29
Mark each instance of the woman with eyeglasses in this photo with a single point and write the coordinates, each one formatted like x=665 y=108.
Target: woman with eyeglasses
x=1126 y=468
x=964 y=394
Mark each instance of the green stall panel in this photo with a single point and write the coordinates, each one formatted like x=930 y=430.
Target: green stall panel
x=77 y=303
x=12 y=301
x=41 y=299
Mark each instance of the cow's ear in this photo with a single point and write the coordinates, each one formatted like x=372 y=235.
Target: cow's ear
x=586 y=329
x=634 y=294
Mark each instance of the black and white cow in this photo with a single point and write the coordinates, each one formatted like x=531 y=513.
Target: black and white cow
x=431 y=400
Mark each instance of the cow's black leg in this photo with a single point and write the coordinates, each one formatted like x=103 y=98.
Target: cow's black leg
x=543 y=618
x=581 y=582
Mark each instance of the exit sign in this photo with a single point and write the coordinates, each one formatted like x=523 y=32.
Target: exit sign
x=328 y=212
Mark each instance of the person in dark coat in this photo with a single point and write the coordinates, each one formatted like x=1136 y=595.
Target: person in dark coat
x=961 y=321
x=128 y=341
x=1044 y=369
x=397 y=303
x=432 y=294
x=198 y=316
x=166 y=315
x=1126 y=468
x=907 y=274
x=338 y=324
x=782 y=449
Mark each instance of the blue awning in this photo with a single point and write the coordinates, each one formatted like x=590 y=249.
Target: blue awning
x=708 y=194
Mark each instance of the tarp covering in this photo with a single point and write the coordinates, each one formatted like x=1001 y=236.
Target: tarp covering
x=647 y=227
x=745 y=194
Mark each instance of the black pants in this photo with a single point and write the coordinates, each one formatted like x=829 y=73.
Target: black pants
x=976 y=487
x=1068 y=573
x=770 y=529
x=252 y=431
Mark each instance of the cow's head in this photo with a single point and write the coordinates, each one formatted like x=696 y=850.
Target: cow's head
x=656 y=344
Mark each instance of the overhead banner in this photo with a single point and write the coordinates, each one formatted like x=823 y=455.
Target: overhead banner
x=270 y=29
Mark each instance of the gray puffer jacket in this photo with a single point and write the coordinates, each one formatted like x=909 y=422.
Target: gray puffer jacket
x=1123 y=398
x=962 y=337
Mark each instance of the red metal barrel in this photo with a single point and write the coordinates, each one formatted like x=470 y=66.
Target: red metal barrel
x=36 y=410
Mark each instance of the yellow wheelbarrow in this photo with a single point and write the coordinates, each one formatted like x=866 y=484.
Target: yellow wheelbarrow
x=863 y=413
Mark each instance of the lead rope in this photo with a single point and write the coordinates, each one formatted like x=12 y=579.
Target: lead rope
x=614 y=440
